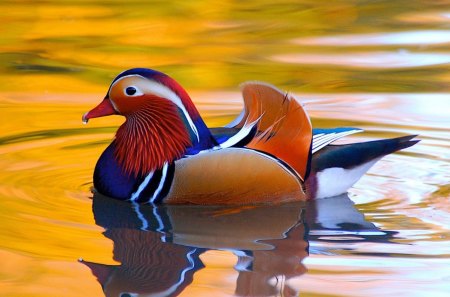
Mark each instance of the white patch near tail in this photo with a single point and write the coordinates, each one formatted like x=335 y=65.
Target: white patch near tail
x=335 y=181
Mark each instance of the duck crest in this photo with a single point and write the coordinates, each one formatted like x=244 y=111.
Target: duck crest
x=167 y=81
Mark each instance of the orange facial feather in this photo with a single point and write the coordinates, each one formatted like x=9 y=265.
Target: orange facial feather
x=152 y=134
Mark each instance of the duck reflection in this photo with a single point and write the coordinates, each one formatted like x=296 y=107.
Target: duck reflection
x=159 y=246
x=336 y=219
x=150 y=263
x=266 y=271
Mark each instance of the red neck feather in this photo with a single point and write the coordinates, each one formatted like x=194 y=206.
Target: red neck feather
x=150 y=137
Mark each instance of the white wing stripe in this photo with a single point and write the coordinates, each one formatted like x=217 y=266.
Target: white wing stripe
x=243 y=132
x=316 y=136
x=323 y=140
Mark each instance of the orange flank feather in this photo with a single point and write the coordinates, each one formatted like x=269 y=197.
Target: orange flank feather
x=284 y=128
x=233 y=176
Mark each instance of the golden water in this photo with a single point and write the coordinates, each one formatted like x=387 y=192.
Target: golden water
x=379 y=65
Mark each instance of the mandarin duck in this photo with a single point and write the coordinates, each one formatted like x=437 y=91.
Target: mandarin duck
x=164 y=152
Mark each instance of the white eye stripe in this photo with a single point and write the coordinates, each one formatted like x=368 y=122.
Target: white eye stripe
x=159 y=90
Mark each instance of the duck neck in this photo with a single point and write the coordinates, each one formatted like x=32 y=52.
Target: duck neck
x=149 y=138
x=158 y=134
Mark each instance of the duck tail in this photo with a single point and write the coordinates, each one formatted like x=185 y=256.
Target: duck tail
x=354 y=159
x=355 y=154
x=404 y=142
x=283 y=129
x=379 y=148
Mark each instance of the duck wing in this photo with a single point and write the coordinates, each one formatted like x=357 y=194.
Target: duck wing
x=233 y=176
x=283 y=128
x=323 y=137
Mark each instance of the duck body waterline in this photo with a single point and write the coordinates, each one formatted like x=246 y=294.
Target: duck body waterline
x=216 y=177
x=164 y=152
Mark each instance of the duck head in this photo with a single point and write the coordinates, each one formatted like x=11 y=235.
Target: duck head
x=162 y=124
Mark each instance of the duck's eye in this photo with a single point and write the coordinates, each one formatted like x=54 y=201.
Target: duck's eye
x=132 y=91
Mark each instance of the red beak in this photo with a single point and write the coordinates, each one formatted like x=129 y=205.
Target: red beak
x=105 y=108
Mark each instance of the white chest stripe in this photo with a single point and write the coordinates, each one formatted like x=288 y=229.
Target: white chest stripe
x=161 y=183
x=142 y=186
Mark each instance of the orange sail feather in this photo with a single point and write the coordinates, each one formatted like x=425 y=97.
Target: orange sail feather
x=284 y=128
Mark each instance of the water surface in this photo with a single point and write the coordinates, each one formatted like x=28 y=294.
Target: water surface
x=381 y=66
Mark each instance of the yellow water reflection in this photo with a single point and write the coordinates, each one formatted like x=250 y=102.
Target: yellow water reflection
x=381 y=66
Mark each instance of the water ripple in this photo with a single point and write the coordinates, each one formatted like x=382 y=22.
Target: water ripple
x=386 y=60
x=426 y=37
